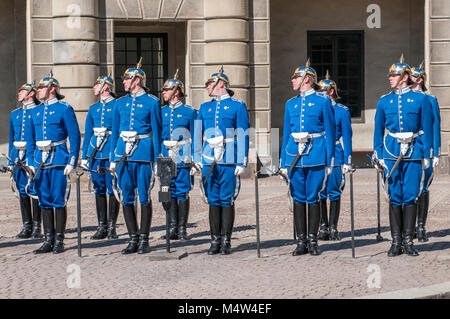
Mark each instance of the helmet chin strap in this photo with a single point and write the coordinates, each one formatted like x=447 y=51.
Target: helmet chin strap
x=216 y=81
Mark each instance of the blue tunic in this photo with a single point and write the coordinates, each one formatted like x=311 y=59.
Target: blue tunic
x=309 y=112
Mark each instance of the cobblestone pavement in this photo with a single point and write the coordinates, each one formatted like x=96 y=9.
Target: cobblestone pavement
x=105 y=273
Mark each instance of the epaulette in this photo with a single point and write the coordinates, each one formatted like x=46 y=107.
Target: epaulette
x=237 y=100
x=342 y=106
x=322 y=95
x=294 y=97
x=385 y=95
x=189 y=106
x=65 y=103
x=152 y=96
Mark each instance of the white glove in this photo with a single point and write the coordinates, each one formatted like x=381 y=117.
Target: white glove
x=239 y=170
x=69 y=168
x=196 y=167
x=328 y=170
x=383 y=164
x=112 y=166
x=155 y=169
x=346 y=168
x=84 y=164
x=283 y=173
x=10 y=168
x=426 y=163
x=435 y=161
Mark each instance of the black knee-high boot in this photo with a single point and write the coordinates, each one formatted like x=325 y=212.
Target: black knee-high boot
x=395 y=221
x=183 y=215
x=112 y=218
x=49 y=231
x=300 y=227
x=146 y=221
x=60 y=227
x=226 y=224
x=36 y=219
x=101 y=206
x=25 y=211
x=129 y=215
x=335 y=208
x=409 y=223
x=214 y=224
x=313 y=228
x=422 y=213
x=324 y=233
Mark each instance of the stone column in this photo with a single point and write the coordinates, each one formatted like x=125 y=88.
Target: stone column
x=260 y=82
x=76 y=51
x=439 y=80
x=226 y=43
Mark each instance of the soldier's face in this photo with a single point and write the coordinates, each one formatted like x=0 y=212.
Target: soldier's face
x=396 y=81
x=296 y=83
x=97 y=89
x=417 y=80
x=167 y=94
x=215 y=90
x=41 y=92
x=21 y=95
x=126 y=84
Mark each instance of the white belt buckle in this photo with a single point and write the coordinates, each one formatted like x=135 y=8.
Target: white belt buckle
x=217 y=144
x=404 y=138
x=172 y=147
x=21 y=147
x=301 y=138
x=44 y=147
x=129 y=137
x=100 y=132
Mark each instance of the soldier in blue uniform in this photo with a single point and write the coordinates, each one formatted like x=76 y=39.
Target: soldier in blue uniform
x=135 y=146
x=306 y=155
x=418 y=75
x=95 y=156
x=52 y=123
x=221 y=151
x=18 y=121
x=342 y=164
x=177 y=130
x=401 y=117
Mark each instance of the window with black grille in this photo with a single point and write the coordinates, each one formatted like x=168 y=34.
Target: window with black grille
x=342 y=53
x=128 y=48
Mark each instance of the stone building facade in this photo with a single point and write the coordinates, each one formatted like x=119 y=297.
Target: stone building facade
x=259 y=42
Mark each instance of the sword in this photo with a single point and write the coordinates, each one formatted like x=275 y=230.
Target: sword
x=258 y=251
x=352 y=211
x=376 y=163
x=78 y=174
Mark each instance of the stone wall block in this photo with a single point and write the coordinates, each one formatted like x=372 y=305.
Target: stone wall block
x=76 y=75
x=440 y=29
x=226 y=30
x=66 y=28
x=440 y=52
x=42 y=29
x=42 y=52
x=79 y=98
x=226 y=53
x=41 y=8
x=226 y=9
x=440 y=74
x=76 y=52
x=440 y=8
x=64 y=8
